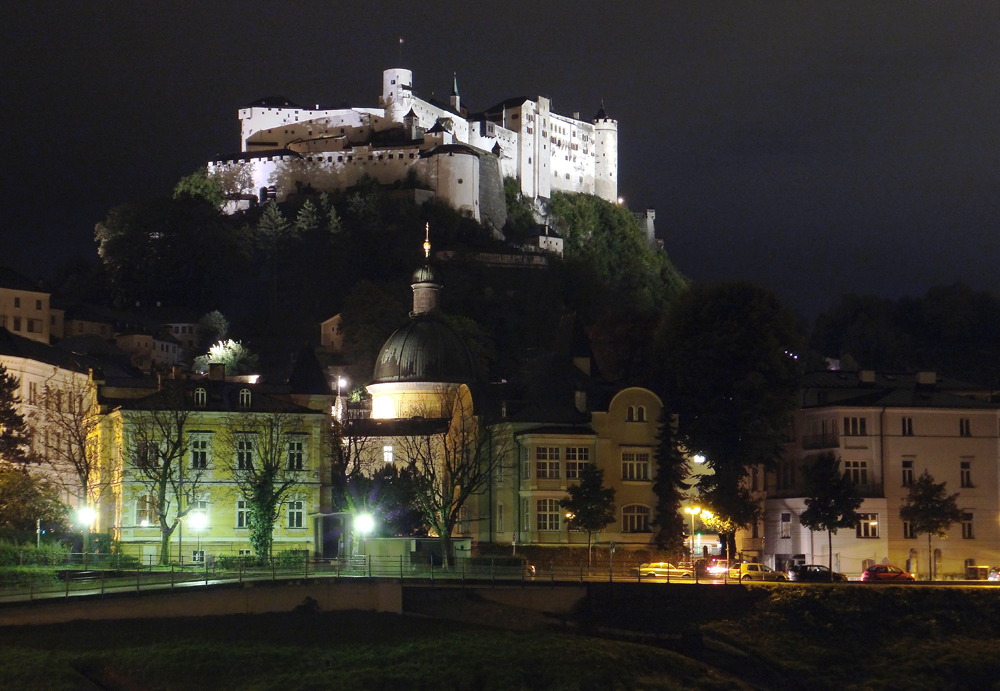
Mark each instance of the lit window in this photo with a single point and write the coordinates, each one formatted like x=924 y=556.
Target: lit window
x=200 y=397
x=867 y=525
x=387 y=454
x=244 y=398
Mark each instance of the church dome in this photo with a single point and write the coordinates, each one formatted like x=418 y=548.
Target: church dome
x=425 y=350
x=425 y=274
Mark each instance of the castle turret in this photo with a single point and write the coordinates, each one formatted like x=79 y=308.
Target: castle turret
x=455 y=100
x=606 y=151
x=397 y=93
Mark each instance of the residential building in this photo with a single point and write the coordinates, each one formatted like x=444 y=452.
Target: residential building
x=219 y=427
x=887 y=429
x=24 y=308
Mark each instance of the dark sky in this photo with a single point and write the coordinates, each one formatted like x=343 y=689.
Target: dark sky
x=816 y=147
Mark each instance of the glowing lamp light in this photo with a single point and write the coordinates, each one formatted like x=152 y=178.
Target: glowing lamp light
x=198 y=521
x=86 y=515
x=364 y=523
x=144 y=523
x=698 y=458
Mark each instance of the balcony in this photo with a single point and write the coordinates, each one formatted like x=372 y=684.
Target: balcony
x=830 y=440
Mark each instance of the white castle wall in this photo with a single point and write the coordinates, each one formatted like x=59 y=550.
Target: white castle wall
x=545 y=151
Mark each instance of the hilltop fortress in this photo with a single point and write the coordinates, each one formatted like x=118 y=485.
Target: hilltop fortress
x=459 y=157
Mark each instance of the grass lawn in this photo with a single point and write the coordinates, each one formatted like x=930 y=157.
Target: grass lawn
x=874 y=638
x=340 y=650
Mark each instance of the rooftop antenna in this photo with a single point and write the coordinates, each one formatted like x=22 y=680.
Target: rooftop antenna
x=427 y=241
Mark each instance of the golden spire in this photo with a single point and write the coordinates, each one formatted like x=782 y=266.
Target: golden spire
x=427 y=241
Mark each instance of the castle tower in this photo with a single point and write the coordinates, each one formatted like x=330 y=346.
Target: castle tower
x=606 y=150
x=397 y=93
x=426 y=285
x=455 y=101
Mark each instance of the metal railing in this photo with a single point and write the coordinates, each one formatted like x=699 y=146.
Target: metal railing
x=98 y=574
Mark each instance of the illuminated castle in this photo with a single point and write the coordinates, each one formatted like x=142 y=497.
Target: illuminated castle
x=461 y=157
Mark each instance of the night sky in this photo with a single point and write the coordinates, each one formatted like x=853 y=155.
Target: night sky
x=816 y=147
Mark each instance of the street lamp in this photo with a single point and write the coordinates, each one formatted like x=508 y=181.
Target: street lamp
x=198 y=521
x=694 y=511
x=364 y=524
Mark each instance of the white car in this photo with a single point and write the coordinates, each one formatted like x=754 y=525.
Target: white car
x=663 y=569
x=755 y=572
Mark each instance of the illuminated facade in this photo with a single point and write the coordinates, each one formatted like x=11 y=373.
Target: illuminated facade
x=887 y=429
x=461 y=156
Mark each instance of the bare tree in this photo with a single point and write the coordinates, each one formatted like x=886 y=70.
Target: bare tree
x=265 y=455
x=450 y=467
x=156 y=458
x=356 y=455
x=66 y=425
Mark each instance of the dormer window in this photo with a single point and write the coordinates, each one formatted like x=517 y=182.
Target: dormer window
x=245 y=398
x=200 y=397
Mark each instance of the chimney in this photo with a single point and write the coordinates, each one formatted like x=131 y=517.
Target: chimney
x=866 y=376
x=926 y=378
x=217 y=371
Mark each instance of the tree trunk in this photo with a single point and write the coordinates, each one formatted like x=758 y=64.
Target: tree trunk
x=829 y=554
x=589 y=551
x=930 y=559
x=446 y=559
x=165 y=534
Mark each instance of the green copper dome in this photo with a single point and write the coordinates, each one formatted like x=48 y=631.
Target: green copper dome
x=425 y=350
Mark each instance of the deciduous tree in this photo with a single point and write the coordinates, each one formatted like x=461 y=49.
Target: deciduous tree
x=832 y=499
x=590 y=505
x=156 y=458
x=25 y=499
x=928 y=508
x=729 y=370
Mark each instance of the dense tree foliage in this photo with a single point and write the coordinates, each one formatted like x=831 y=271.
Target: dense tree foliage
x=237 y=358
x=25 y=499
x=952 y=330
x=729 y=372
x=672 y=471
x=14 y=432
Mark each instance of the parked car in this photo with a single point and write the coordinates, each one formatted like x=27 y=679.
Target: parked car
x=994 y=574
x=885 y=572
x=716 y=568
x=663 y=569
x=814 y=573
x=755 y=572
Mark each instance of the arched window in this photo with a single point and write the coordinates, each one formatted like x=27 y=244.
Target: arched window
x=630 y=415
x=640 y=414
x=635 y=518
x=200 y=397
x=245 y=398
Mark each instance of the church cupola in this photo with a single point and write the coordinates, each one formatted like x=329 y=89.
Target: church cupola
x=426 y=284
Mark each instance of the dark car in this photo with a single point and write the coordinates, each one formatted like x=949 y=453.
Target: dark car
x=814 y=573
x=885 y=573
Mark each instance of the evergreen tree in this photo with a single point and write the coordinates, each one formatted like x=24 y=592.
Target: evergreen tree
x=14 y=432
x=672 y=469
x=929 y=509
x=591 y=506
x=307 y=219
x=272 y=226
x=832 y=499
